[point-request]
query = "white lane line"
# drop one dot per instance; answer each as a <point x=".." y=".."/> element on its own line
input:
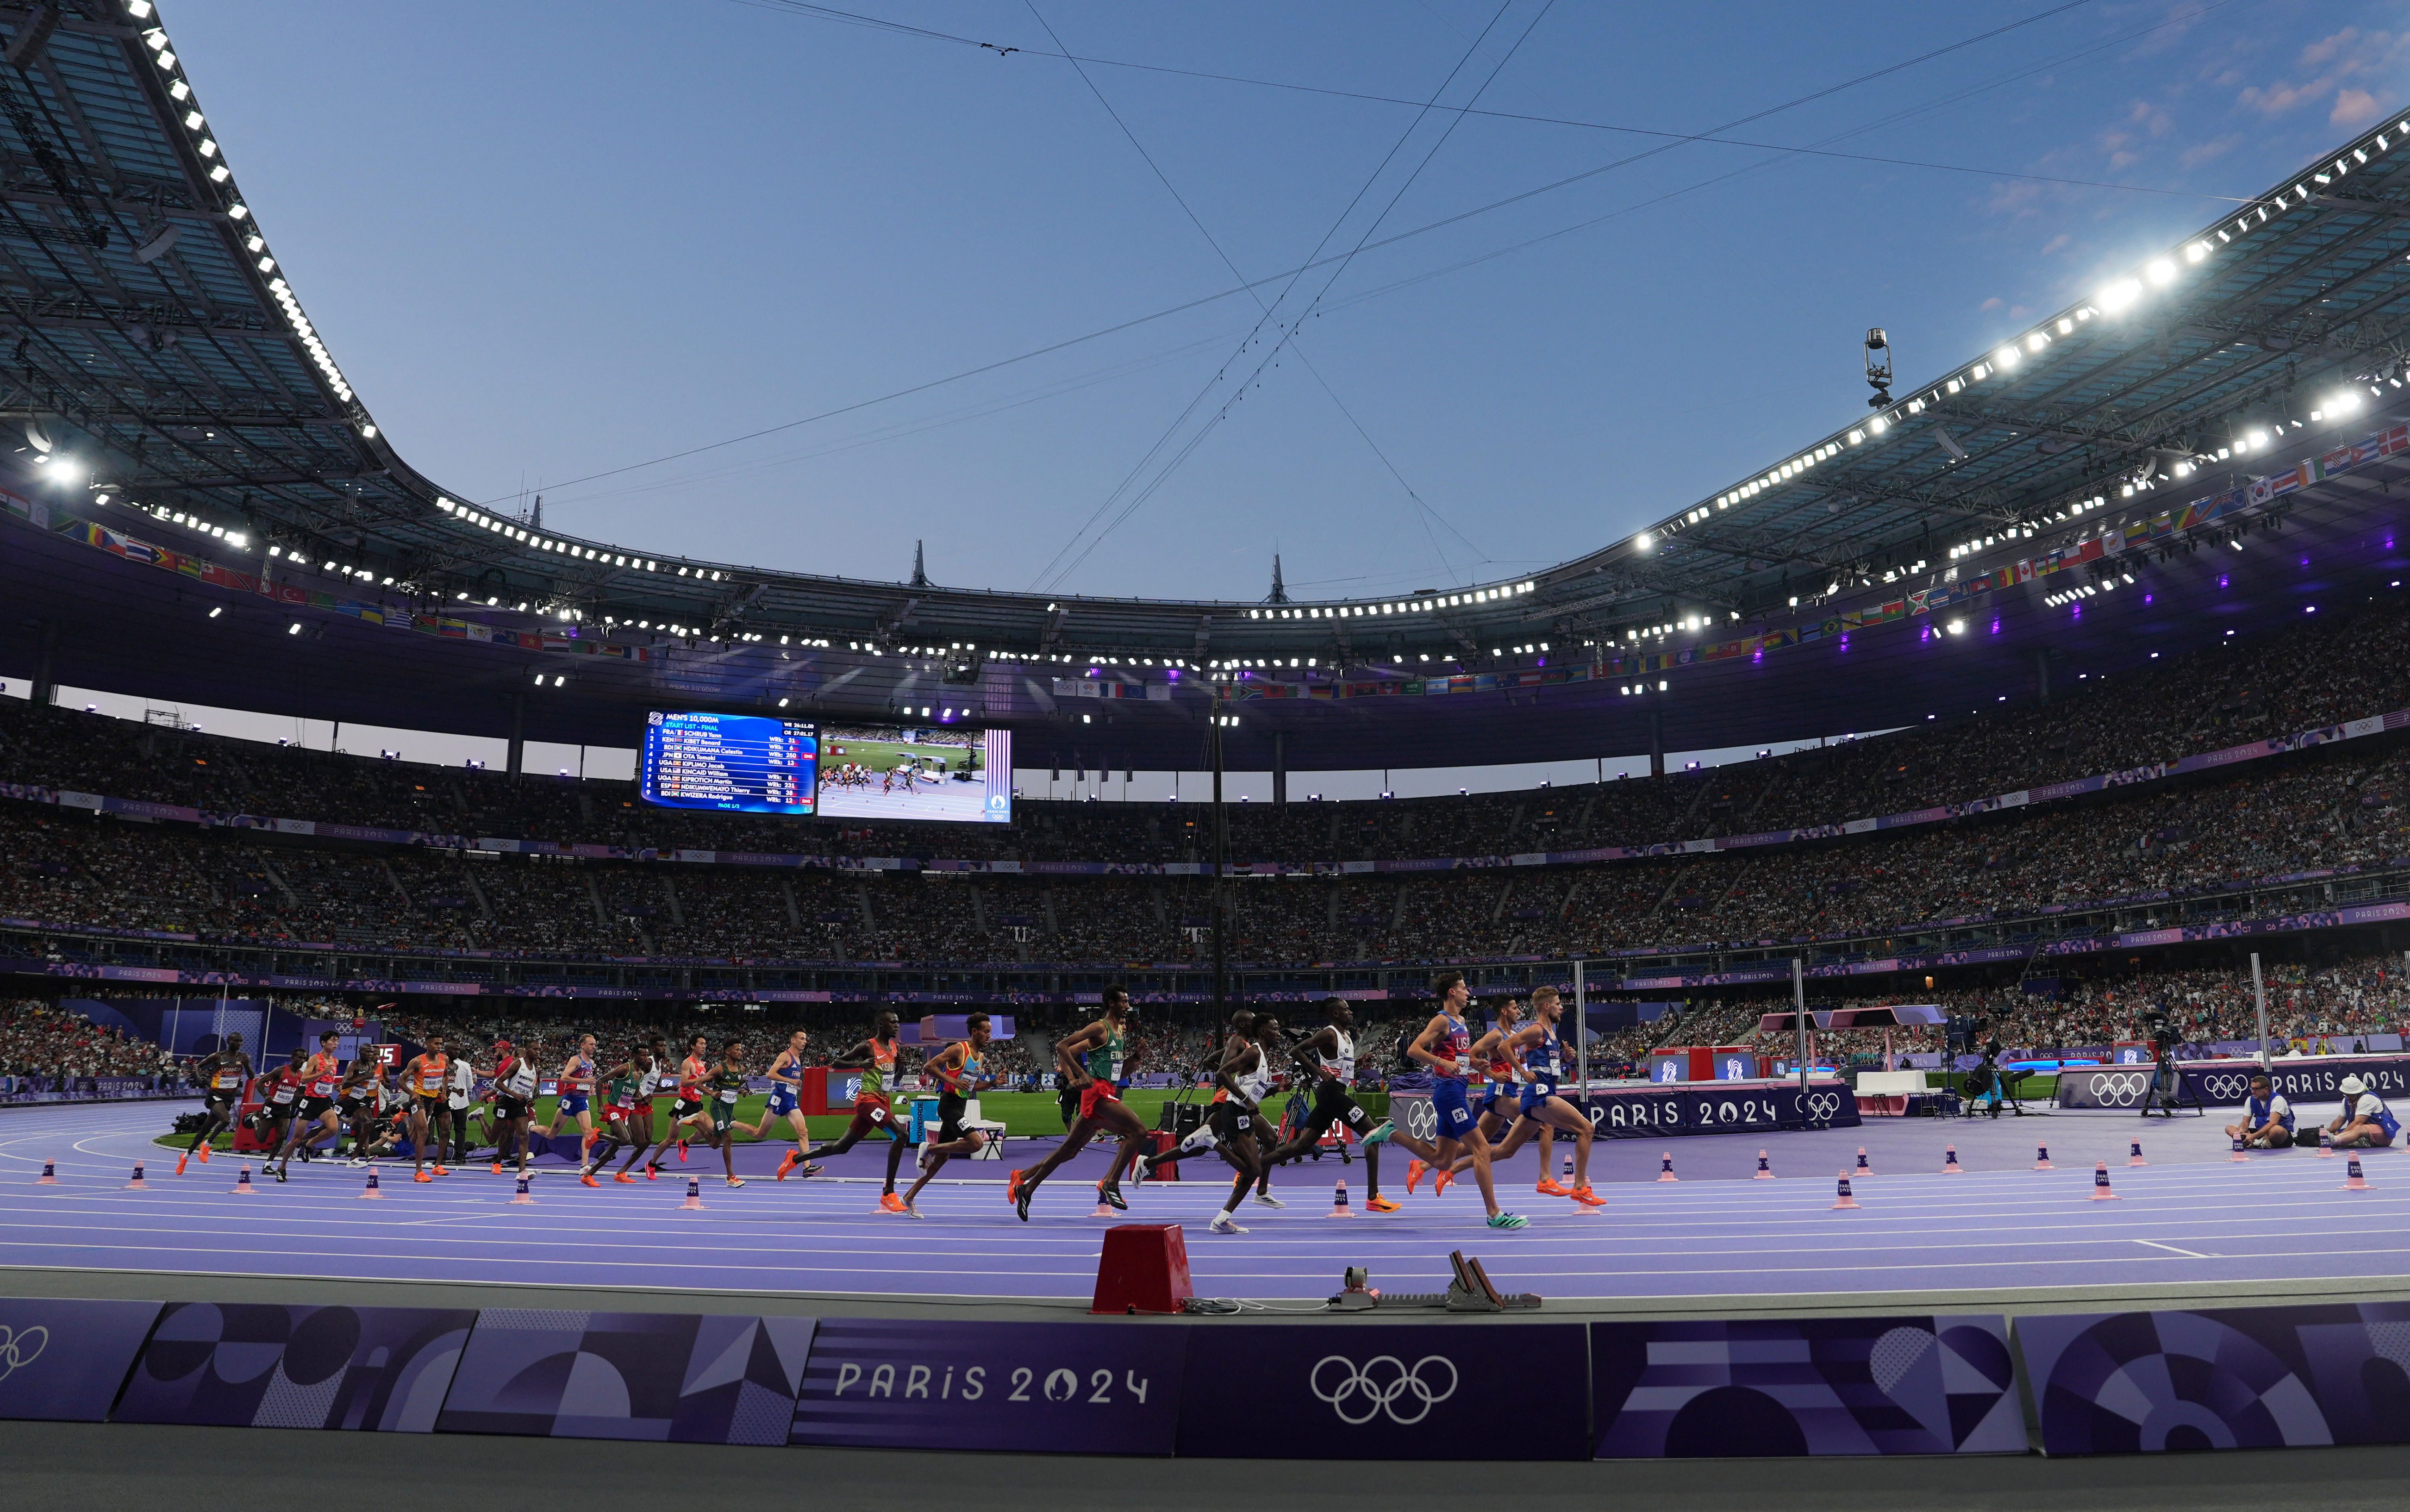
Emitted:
<point x="2190" y="1253"/>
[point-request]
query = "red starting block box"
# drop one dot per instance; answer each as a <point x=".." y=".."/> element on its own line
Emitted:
<point x="1143" y="1268"/>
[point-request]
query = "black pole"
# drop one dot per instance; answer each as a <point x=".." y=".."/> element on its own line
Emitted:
<point x="1220" y="897"/>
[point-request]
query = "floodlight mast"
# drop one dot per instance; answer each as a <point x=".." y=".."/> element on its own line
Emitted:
<point x="1220" y="899"/>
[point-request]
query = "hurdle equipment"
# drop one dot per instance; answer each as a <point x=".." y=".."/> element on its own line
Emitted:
<point x="1665" y="1172"/>
<point x="1847" y="1201"/>
<point x="1338" y="1208"/>
<point x="1143" y="1268"/>
<point x="242" y="1186"/>
<point x="1950" y="1166"/>
<point x="524" y="1199"/>
<point x="138" y="1184"/>
<point x="2101" y="1192"/>
<point x="2041" y="1158"/>
<point x="2355" y="1182"/>
<point x="1764" y="1171"/>
<point x="2136" y="1158"/>
<point x="370" y="1192"/>
<point x="1864" y="1169"/>
<point x="2237" y="1154"/>
<point x="693" y="1196"/>
<point x="50" y="1177"/>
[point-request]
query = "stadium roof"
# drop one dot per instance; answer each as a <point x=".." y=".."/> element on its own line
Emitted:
<point x="172" y="388"/>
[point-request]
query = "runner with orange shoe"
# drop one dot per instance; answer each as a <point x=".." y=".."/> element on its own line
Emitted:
<point x="425" y="1080"/>
<point x="221" y="1073"/>
<point x="787" y="1098"/>
<point x="876" y="1056"/>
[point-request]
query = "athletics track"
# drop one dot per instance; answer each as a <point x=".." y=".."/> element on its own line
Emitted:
<point x="2191" y="1217"/>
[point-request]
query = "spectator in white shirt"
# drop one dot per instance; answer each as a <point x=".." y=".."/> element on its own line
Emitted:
<point x="2267" y="1118"/>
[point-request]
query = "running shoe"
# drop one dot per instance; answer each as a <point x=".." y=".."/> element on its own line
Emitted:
<point x="681" y="1152"/>
<point x="587" y="1180"/>
<point x="179" y="1164"/>
<point x="909" y="1211"/>
<point x="204" y="1151"/>
<point x="359" y="1160"/>
<point x="441" y="1171"/>
<point x="1269" y="1200"/>
<point x="498" y="1168"/>
<point x="1012" y="1187"/>
<point x="735" y="1181"/>
<point x="1509" y="1220"/>
<point x="1111" y="1195"/>
<point x="1381" y="1132"/>
<point x="1440" y="1180"/>
<point x="423" y="1176"/>
<point x="1222" y="1223"/>
<point x="1414" y="1170"/>
<point x="623" y="1176"/>
<point x="1548" y="1187"/>
<point x="1588" y="1198"/>
<point x="921" y="1161"/>
<point x="890" y="1202"/>
<point x="278" y="1173"/>
<point x="789" y="1164"/>
<point x="652" y="1173"/>
<point x="1380" y="1204"/>
<point x="1023" y="1192"/>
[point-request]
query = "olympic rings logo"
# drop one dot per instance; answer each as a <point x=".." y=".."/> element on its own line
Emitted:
<point x="2223" y="1085"/>
<point x="2119" y="1089"/>
<point x="15" y="1350"/>
<point x="1824" y="1104"/>
<point x="1383" y="1383"/>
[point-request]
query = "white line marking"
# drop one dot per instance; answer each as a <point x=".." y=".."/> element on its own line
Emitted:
<point x="2190" y="1253"/>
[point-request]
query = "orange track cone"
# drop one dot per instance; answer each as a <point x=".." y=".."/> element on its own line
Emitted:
<point x="242" y="1186"/>
<point x="50" y="1175"/>
<point x="371" y="1193"/>
<point x="2101" y="1192"/>
<point x="2041" y="1158"/>
<point x="138" y="1184"/>
<point x="1338" y="1208"/>
<point x="1666" y="1172"/>
<point x="2136" y="1158"/>
<point x="1764" y="1171"/>
<point x="693" y="1195"/>
<point x="522" y="1197"/>
<point x="1847" y="1201"/>
<point x="1950" y="1166"/>
<point x="1864" y="1169"/>
<point x="2356" y="1182"/>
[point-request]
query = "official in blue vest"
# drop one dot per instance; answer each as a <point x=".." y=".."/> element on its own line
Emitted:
<point x="2267" y="1118"/>
<point x="2364" y="1121"/>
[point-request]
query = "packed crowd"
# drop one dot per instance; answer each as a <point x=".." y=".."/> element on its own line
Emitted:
<point x="58" y="1045"/>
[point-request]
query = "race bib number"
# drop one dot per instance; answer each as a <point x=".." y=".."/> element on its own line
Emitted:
<point x="1243" y="1122"/>
<point x="728" y="1097"/>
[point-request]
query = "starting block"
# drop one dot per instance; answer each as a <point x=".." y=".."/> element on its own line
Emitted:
<point x="1469" y="1290"/>
<point x="1143" y="1268"/>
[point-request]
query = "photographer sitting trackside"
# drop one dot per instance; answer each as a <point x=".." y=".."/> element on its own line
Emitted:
<point x="2267" y="1118"/>
<point x="2364" y="1120"/>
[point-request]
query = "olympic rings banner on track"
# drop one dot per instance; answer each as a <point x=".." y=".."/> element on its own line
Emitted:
<point x="1858" y="1386"/>
<point x="2225" y="1082"/>
<point x="1685" y="1107"/>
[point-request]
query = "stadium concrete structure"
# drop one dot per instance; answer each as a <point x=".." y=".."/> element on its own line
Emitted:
<point x="2195" y="456"/>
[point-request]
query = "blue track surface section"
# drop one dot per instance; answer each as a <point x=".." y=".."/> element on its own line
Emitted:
<point x="2190" y="1216"/>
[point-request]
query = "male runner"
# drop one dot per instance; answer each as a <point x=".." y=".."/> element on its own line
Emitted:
<point x="427" y="1081"/>
<point x="513" y="1102"/>
<point x="787" y="1100"/>
<point x="877" y="1057"/>
<point x="1500" y="1108"/>
<point x="577" y="1091"/>
<point x="1091" y="1061"/>
<point x="1331" y="1070"/>
<point x="279" y="1099"/>
<point x="692" y="1072"/>
<point x="656" y="1084"/>
<point x="1241" y="1033"/>
<point x="356" y="1101"/>
<point x="322" y="1075"/>
<point x="718" y="1119"/>
<point x="1446" y="1046"/>
<point x="1543" y="1057"/>
<point x="960" y="1070"/>
<point x="220" y="1074"/>
<point x="626" y="1117"/>
<point x="1235" y="1119"/>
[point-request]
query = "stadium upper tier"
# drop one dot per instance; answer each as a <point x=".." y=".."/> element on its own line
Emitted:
<point x="180" y="411"/>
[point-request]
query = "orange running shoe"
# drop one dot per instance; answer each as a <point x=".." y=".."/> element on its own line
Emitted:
<point x="1012" y="1188"/>
<point x="587" y="1180"/>
<point x="652" y="1173"/>
<point x="204" y="1151"/>
<point x="1414" y="1170"/>
<point x="1440" y="1180"/>
<point x="623" y="1176"/>
<point x="1548" y="1187"/>
<point x="681" y="1152"/>
<point x="793" y="1156"/>
<point x="441" y="1171"/>
<point x="1587" y="1197"/>
<point x="1381" y="1204"/>
<point x="890" y="1202"/>
<point x="498" y="1168"/>
<point x="180" y="1165"/>
<point x="424" y="1177"/>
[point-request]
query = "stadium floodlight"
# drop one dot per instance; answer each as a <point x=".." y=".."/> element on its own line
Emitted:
<point x="215" y="612"/>
<point x="2162" y="272"/>
<point x="294" y="629"/>
<point x="2117" y="296"/>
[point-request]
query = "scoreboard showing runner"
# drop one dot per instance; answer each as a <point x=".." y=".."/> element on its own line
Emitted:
<point x="741" y="763"/>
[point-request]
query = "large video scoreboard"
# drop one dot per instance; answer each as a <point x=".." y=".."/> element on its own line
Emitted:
<point x="734" y="762"/>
